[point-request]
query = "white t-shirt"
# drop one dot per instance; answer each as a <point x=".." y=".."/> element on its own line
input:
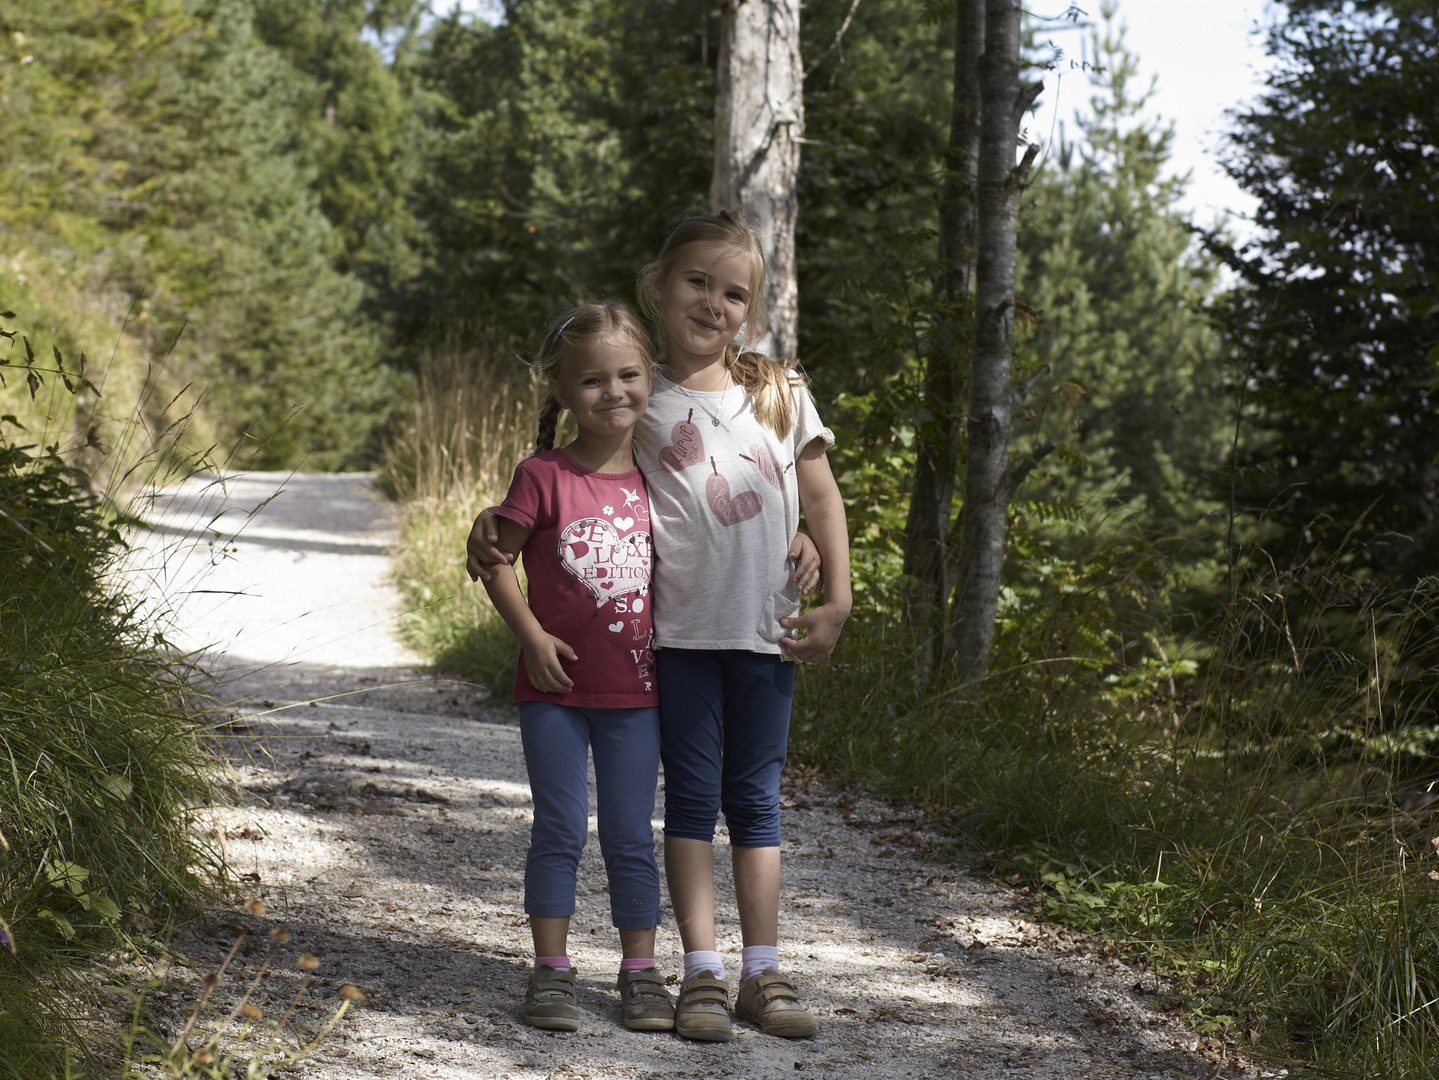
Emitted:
<point x="725" y="506"/>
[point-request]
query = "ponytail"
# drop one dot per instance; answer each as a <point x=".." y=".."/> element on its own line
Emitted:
<point x="771" y="385"/>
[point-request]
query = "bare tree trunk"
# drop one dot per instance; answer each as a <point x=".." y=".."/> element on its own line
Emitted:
<point x="759" y="120"/>
<point x="989" y="482"/>
<point x="927" y="556"/>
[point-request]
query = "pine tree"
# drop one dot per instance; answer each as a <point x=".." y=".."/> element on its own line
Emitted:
<point x="1337" y="321"/>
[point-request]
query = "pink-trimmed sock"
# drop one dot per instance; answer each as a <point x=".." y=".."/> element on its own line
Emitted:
<point x="637" y="963"/>
<point x="559" y="963"/>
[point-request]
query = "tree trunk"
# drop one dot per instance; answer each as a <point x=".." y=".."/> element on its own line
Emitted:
<point x="759" y="120"/>
<point x="988" y="481"/>
<point x="927" y="556"/>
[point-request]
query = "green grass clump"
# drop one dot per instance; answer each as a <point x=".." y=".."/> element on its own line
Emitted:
<point x="101" y="761"/>
<point x="1246" y="804"/>
<point x="471" y="422"/>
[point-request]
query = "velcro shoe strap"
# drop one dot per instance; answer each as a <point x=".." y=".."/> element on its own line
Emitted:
<point x="647" y="987"/>
<point x="554" y="987"/>
<point x="704" y="991"/>
<point x="776" y="990"/>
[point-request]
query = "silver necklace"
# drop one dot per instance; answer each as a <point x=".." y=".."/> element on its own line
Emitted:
<point x="715" y="421"/>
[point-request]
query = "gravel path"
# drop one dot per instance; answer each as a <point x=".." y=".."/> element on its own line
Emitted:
<point x="387" y="829"/>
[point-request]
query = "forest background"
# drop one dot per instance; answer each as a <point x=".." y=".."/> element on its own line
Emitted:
<point x="328" y="231"/>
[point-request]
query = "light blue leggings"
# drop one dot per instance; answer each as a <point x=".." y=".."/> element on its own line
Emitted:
<point x="626" y="744"/>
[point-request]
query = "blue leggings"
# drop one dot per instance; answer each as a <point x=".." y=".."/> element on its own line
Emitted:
<point x="626" y="742"/>
<point x="724" y="718"/>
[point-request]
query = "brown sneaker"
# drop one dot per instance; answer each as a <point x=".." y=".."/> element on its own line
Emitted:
<point x="768" y="1001"/>
<point x="646" y="1001"/>
<point x="703" y="1009"/>
<point x="550" y="1000"/>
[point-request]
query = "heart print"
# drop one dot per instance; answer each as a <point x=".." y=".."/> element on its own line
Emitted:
<point x="606" y="565"/>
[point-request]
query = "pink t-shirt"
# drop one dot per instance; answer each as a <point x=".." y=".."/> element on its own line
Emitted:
<point x="588" y="561"/>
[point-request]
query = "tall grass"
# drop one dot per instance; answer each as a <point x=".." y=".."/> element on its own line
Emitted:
<point x="472" y="420"/>
<point x="1247" y="804"/>
<point x="102" y="766"/>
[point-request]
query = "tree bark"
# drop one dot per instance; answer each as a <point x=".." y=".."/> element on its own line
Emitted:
<point x="993" y="401"/>
<point x="927" y="558"/>
<point x="759" y="120"/>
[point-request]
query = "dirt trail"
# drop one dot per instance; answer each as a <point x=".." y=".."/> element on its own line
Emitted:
<point x="387" y="829"/>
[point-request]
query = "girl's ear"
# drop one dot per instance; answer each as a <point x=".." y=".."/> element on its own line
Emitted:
<point x="654" y="285"/>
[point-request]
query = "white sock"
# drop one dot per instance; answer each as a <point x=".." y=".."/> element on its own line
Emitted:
<point x="756" y="958"/>
<point x="704" y="960"/>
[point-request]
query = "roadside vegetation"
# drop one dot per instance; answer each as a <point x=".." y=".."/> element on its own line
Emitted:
<point x="103" y="766"/>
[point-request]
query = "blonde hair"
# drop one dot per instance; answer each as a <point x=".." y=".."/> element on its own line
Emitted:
<point x="769" y="381"/>
<point x="578" y="328"/>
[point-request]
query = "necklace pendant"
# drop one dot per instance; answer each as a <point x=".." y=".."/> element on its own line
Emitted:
<point x="714" y="421"/>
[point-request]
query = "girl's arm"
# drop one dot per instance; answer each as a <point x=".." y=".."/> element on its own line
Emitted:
<point x="483" y="557"/>
<point x="823" y="508"/>
<point x="542" y="650"/>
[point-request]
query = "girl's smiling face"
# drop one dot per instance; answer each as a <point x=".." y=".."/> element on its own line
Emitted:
<point x="704" y="299"/>
<point x="606" y="385"/>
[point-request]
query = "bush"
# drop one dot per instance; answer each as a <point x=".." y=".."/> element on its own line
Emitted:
<point x="102" y="764"/>
<point x="1248" y="805"/>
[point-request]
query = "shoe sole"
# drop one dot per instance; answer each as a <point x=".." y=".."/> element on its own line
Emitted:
<point x="650" y="1023"/>
<point x="785" y="1031"/>
<point x="552" y="1023"/>
<point x="706" y="1035"/>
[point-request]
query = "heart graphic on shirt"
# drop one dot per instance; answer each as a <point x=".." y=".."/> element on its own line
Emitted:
<point x="730" y="510"/>
<point x="768" y="467"/>
<point x="687" y="446"/>
<point x="606" y="565"/>
<point x="616" y="627"/>
<point x="624" y="523"/>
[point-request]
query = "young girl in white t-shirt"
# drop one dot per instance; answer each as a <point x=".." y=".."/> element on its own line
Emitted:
<point x="733" y="451"/>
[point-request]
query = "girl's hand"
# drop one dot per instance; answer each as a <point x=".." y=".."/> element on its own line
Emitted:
<point x="481" y="552"/>
<point x="807" y="563"/>
<point x="542" y="664"/>
<point x="823" y="625"/>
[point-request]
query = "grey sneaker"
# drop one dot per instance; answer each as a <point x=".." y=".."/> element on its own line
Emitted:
<point x="646" y="1000"/>
<point x="768" y="1001"/>
<point x="550" y="1000"/>
<point x="703" y="1010"/>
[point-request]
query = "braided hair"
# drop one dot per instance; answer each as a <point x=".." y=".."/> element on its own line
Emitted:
<point x="576" y="329"/>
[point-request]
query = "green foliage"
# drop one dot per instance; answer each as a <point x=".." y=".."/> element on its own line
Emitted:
<point x="156" y="142"/>
<point x="101" y="762"/>
<point x="559" y="147"/>
<point x="1337" y="316"/>
<point x="1245" y="806"/>
<point x="1118" y="296"/>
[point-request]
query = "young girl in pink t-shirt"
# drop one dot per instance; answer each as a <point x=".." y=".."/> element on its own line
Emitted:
<point x="580" y="519"/>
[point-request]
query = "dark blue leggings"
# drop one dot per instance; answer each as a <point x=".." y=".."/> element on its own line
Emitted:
<point x="626" y="744"/>
<point x="724" y="727"/>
